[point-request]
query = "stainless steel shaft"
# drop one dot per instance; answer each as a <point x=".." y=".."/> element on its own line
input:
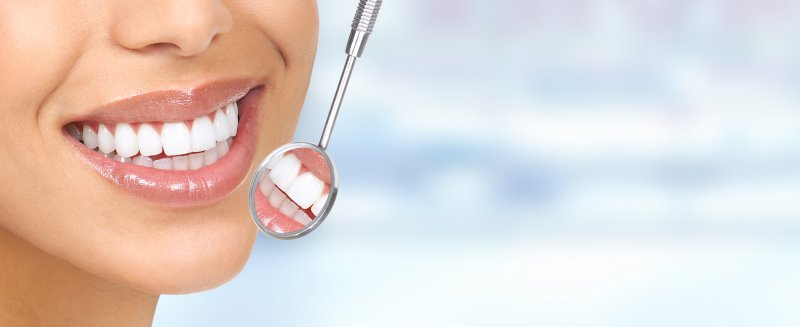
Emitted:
<point x="363" y="24"/>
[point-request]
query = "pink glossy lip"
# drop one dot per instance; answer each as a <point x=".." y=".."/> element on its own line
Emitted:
<point x="182" y="188"/>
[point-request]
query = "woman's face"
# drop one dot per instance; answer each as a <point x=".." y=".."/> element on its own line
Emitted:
<point x="118" y="121"/>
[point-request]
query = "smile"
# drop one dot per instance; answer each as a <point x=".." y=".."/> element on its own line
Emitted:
<point x="178" y="148"/>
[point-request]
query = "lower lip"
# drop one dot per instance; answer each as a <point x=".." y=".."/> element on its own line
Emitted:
<point x="273" y="219"/>
<point x="190" y="187"/>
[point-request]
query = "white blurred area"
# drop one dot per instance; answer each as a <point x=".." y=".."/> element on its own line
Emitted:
<point x="546" y="163"/>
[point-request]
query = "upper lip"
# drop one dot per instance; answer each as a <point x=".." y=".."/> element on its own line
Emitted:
<point x="172" y="105"/>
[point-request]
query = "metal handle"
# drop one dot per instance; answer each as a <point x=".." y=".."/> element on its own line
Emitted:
<point x="363" y="24"/>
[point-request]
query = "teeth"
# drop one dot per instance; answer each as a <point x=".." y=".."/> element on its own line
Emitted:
<point x="232" y="113"/>
<point x="163" y="164"/>
<point x="149" y="140"/>
<point x="319" y="204"/>
<point x="276" y="198"/>
<point x="302" y="218"/>
<point x="221" y="130"/>
<point x="266" y="186"/>
<point x="195" y="161"/>
<point x="285" y="171"/>
<point x="288" y="208"/>
<point x="105" y="140"/>
<point x="143" y="161"/>
<point x="205" y="143"/>
<point x="176" y="139"/>
<point x="202" y="134"/>
<point x="306" y="189"/>
<point x="180" y="163"/>
<point x="222" y="149"/>
<point x="210" y="157"/>
<point x="125" y="140"/>
<point x="89" y="137"/>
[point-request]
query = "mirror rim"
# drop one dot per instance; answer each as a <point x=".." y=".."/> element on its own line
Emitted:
<point x="262" y="168"/>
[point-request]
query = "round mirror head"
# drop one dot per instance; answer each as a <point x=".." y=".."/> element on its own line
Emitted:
<point x="293" y="190"/>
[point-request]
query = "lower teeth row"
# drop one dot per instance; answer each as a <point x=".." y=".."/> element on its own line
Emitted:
<point x="186" y="162"/>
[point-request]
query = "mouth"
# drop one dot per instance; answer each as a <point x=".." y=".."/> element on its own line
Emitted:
<point x="294" y="192"/>
<point x="177" y="148"/>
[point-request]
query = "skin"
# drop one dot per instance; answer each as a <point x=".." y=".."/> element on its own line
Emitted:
<point x="75" y="249"/>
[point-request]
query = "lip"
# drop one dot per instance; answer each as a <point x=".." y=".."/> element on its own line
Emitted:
<point x="171" y="105"/>
<point x="181" y="188"/>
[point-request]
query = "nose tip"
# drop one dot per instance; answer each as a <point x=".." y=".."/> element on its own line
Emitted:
<point x="187" y="28"/>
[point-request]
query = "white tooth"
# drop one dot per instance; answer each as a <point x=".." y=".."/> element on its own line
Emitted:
<point x="122" y="159"/>
<point x="176" y="139"/>
<point x="74" y="132"/>
<point x="143" y="161"/>
<point x="266" y="186"/>
<point x="302" y="218"/>
<point x="233" y="121"/>
<point x="210" y="157"/>
<point x="305" y="189"/>
<point x="236" y="109"/>
<point x="221" y="131"/>
<point x="149" y="140"/>
<point x="105" y="140"/>
<point x="288" y="208"/>
<point x="276" y="198"/>
<point x="163" y="164"/>
<point x="229" y="141"/>
<point x="89" y="137"/>
<point x="285" y="172"/>
<point x="277" y="158"/>
<point x="180" y="163"/>
<point x="202" y="134"/>
<point x="125" y="140"/>
<point x="222" y="149"/>
<point x="319" y="204"/>
<point x="195" y="161"/>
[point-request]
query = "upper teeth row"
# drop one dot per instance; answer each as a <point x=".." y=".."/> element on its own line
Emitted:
<point x="174" y="138"/>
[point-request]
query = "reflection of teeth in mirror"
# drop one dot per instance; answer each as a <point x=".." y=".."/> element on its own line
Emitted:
<point x="302" y="217"/>
<point x="266" y="186"/>
<point x="274" y="161"/>
<point x="317" y="207"/>
<point x="288" y="208"/>
<point x="285" y="171"/>
<point x="306" y="189"/>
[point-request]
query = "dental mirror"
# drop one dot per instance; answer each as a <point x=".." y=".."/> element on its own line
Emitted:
<point x="295" y="186"/>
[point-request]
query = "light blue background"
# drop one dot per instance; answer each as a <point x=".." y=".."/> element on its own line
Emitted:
<point x="546" y="163"/>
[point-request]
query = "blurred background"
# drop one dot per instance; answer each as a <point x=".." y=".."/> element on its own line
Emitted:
<point x="546" y="163"/>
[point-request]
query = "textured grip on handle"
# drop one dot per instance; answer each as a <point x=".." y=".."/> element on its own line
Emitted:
<point x="366" y="15"/>
<point x="363" y="23"/>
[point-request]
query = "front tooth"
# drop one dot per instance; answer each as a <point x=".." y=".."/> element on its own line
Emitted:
<point x="210" y="157"/>
<point x="74" y="131"/>
<point x="222" y="149"/>
<point x="89" y="137"/>
<point x="180" y="163"/>
<point x="317" y="207"/>
<point x="149" y="140"/>
<point x="105" y="140"/>
<point x="306" y="189"/>
<point x="195" y="161"/>
<point x="221" y="131"/>
<point x="125" y="140"/>
<point x="302" y="218"/>
<point x="276" y="198"/>
<point x="202" y="134"/>
<point x="288" y="208"/>
<point x="285" y="171"/>
<point x="143" y="161"/>
<point x="176" y="139"/>
<point x="233" y="120"/>
<point x="163" y="164"/>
